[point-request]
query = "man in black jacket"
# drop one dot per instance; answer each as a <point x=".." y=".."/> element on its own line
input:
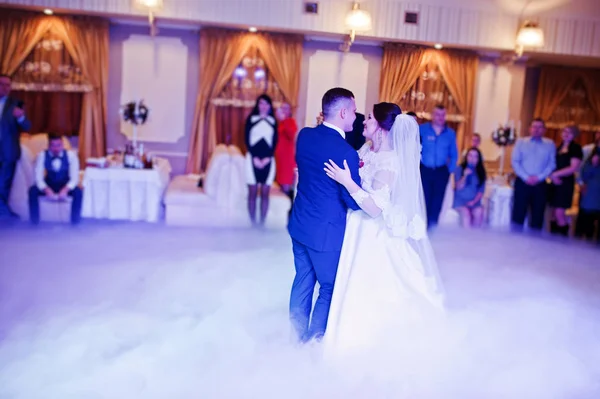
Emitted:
<point x="12" y="123"/>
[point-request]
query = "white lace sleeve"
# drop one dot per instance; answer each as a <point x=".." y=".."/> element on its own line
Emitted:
<point x="377" y="200"/>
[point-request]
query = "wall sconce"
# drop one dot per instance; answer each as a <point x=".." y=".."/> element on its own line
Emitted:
<point x="357" y="20"/>
<point x="530" y="35"/>
<point x="151" y="6"/>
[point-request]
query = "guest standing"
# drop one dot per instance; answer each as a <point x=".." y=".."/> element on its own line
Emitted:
<point x="285" y="152"/>
<point x="12" y="123"/>
<point x="533" y="160"/>
<point x="261" y="140"/>
<point x="438" y="159"/>
<point x="568" y="161"/>
<point x="470" y="178"/>
<point x="56" y="177"/>
<point x="475" y="143"/>
<point x="589" y="206"/>
<point x="355" y="137"/>
<point x="588" y="149"/>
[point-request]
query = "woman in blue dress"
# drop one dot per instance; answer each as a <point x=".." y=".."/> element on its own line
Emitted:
<point x="469" y="180"/>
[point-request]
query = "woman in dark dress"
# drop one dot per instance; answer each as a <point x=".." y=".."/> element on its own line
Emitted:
<point x="261" y="140"/>
<point x="568" y="160"/>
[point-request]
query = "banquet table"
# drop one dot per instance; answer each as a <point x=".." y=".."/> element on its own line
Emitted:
<point x="119" y="193"/>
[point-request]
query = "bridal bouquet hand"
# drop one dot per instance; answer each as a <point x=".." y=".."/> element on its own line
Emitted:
<point x="338" y="174"/>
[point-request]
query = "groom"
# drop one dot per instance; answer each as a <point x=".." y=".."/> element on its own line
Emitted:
<point x="318" y="219"/>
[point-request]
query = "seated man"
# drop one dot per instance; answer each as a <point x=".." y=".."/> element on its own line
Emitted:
<point x="56" y="176"/>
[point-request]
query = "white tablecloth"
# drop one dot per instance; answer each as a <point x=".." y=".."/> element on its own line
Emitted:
<point x="499" y="205"/>
<point x="125" y="194"/>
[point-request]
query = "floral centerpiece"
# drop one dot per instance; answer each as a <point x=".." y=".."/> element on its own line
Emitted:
<point x="504" y="136"/>
<point x="135" y="113"/>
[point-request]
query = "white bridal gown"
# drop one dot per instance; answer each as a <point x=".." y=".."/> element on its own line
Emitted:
<point x="382" y="289"/>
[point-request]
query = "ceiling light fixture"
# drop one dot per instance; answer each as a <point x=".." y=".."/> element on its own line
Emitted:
<point x="357" y="20"/>
<point x="48" y="11"/>
<point x="151" y="6"/>
<point x="530" y="35"/>
<point x="438" y="46"/>
<point x="252" y="29"/>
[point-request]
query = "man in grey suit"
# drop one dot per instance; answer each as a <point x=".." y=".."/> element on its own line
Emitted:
<point x="12" y="123"/>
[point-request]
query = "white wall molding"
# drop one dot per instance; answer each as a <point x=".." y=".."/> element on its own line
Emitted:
<point x="155" y="68"/>
<point x="486" y="24"/>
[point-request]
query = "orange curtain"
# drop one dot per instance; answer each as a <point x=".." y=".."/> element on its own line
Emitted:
<point x="220" y="53"/>
<point x="569" y="96"/>
<point x="19" y="33"/>
<point x="283" y="57"/>
<point x="52" y="111"/>
<point x="86" y="39"/>
<point x="400" y="68"/>
<point x="591" y="81"/>
<point x="555" y="83"/>
<point x="403" y="64"/>
<point x="460" y="74"/>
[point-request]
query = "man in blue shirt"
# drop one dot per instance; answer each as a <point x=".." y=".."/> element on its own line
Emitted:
<point x="533" y="160"/>
<point x="439" y="156"/>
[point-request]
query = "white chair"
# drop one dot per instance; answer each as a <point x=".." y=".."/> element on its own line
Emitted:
<point x="25" y="178"/>
<point x="186" y="204"/>
<point x="55" y="211"/>
<point x="222" y="201"/>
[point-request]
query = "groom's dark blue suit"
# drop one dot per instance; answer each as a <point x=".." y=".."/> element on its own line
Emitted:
<point x="317" y="225"/>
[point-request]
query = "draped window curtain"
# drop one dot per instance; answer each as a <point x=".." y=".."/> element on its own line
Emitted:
<point x="86" y="40"/>
<point x="250" y="79"/>
<point x="51" y="86"/>
<point x="404" y="67"/>
<point x="221" y="52"/>
<point x="569" y="95"/>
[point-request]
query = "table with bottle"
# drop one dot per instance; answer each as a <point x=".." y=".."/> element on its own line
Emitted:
<point x="127" y="185"/>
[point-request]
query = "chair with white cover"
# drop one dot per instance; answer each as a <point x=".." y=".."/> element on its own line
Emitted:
<point x="50" y="211"/>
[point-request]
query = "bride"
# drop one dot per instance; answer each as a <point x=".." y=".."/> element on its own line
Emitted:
<point x="387" y="281"/>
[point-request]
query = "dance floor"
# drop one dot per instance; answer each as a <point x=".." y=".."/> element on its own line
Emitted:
<point x="128" y="310"/>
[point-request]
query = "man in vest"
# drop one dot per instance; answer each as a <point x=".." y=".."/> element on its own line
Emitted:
<point x="56" y="177"/>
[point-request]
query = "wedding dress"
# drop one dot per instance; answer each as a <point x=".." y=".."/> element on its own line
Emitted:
<point x="387" y="282"/>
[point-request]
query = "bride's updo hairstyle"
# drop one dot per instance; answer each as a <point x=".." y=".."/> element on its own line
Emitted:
<point x="385" y="114"/>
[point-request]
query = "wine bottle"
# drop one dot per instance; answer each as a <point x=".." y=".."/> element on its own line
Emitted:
<point x="129" y="158"/>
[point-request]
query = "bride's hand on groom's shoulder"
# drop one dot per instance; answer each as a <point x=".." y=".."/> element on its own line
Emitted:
<point x="340" y="175"/>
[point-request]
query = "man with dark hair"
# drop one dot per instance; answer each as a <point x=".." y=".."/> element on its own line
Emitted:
<point x="355" y="137"/>
<point x="533" y="160"/>
<point x="56" y="177"/>
<point x="12" y="123"/>
<point x="439" y="157"/>
<point x="318" y="221"/>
